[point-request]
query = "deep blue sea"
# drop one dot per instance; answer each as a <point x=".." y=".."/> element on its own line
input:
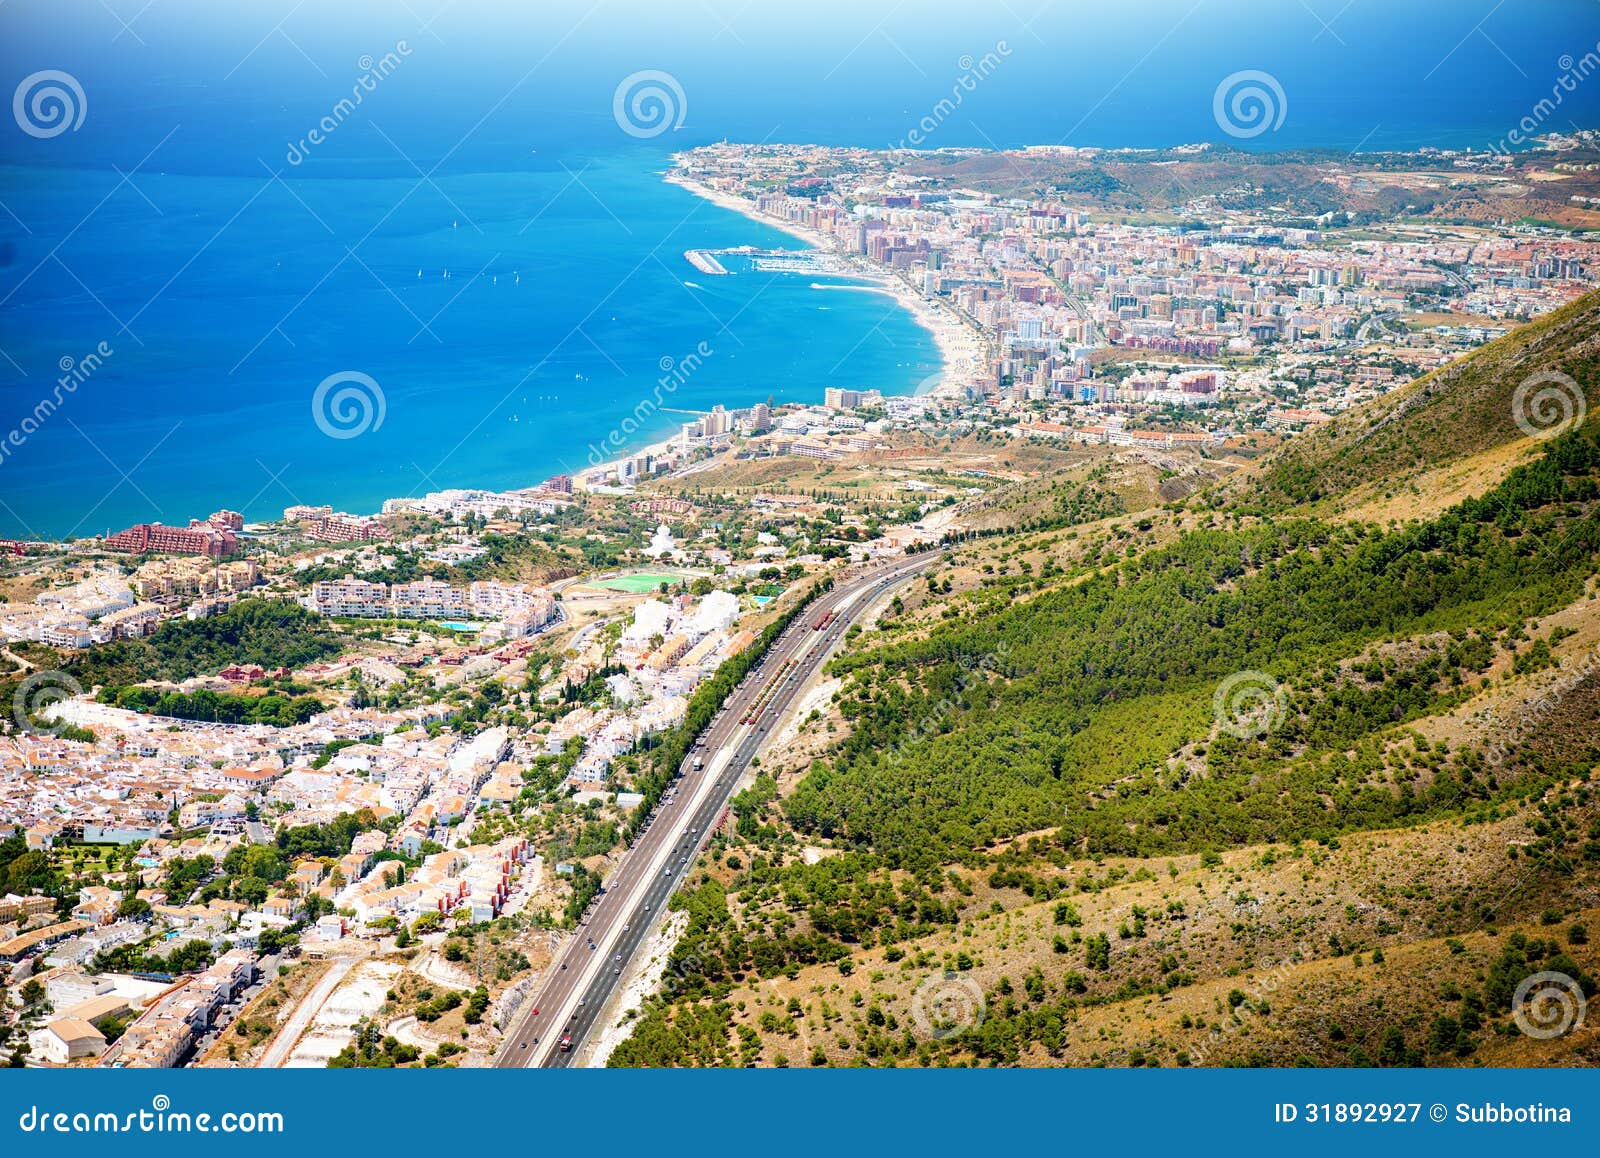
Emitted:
<point x="230" y="265"/>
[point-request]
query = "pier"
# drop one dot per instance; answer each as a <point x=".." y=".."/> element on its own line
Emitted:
<point x="705" y="262"/>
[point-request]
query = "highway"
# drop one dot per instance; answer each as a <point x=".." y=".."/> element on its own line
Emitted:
<point x="581" y="980"/>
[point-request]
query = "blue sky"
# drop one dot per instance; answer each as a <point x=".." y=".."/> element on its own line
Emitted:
<point x="499" y="82"/>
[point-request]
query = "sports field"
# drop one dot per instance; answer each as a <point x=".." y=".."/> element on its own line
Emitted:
<point x="636" y="584"/>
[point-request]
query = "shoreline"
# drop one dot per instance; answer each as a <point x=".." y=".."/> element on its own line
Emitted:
<point x="962" y="351"/>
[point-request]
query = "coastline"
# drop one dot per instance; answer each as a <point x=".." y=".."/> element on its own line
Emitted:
<point x="962" y="352"/>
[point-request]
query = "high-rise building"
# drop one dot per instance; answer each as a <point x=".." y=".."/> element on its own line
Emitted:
<point x="157" y="538"/>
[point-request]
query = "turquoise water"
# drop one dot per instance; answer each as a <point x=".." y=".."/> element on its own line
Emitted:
<point x="455" y="625"/>
<point x="542" y="351"/>
<point x="228" y="272"/>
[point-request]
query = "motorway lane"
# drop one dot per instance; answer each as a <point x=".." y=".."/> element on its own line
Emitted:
<point x="583" y="978"/>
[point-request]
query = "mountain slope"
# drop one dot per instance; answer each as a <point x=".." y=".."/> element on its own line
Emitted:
<point x="1093" y="780"/>
<point x="1519" y="387"/>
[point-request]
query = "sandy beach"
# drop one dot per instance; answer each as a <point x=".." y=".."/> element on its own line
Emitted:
<point x="962" y="350"/>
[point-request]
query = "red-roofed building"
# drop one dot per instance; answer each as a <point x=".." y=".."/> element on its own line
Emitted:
<point x="157" y="538"/>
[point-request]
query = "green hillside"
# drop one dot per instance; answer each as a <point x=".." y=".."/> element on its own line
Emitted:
<point x="1083" y="780"/>
<point x="1477" y="402"/>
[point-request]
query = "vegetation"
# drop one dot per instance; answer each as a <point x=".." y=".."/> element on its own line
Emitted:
<point x="214" y="707"/>
<point x="269" y="633"/>
<point x="1013" y="753"/>
<point x="1071" y="704"/>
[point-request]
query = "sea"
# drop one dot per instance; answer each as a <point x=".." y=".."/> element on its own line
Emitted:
<point x="283" y="254"/>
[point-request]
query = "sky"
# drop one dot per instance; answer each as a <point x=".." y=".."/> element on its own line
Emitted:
<point x="498" y="86"/>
